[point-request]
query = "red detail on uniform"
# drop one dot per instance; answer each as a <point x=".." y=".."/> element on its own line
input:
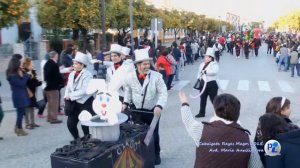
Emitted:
<point x="142" y="76"/>
<point x="77" y="73"/>
<point x="117" y="65"/>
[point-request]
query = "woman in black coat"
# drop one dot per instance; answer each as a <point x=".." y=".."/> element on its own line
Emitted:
<point x="32" y="84"/>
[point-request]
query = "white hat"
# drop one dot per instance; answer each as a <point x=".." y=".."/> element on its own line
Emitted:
<point x="82" y="58"/>
<point x="142" y="55"/>
<point x="210" y="52"/>
<point x="125" y="51"/>
<point x="114" y="48"/>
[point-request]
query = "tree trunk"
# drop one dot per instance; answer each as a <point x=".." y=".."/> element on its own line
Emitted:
<point x="164" y="36"/>
<point x="84" y="38"/>
<point x="146" y="33"/>
<point x="75" y="34"/>
<point x="175" y="33"/>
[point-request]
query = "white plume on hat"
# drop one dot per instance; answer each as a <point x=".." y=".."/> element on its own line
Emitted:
<point x="142" y="55"/>
<point x="82" y="58"/>
<point x="210" y="52"/>
<point x="125" y="51"/>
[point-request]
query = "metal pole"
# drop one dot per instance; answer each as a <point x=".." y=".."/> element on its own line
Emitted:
<point x="156" y="32"/>
<point x="131" y="25"/>
<point x="103" y="26"/>
<point x="219" y="25"/>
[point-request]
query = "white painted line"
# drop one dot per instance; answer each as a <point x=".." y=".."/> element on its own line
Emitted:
<point x="223" y="84"/>
<point x="264" y="86"/>
<point x="285" y="87"/>
<point x="243" y="85"/>
<point x="179" y="85"/>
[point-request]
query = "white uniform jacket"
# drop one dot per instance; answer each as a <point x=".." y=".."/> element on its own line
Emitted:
<point x="76" y="89"/>
<point x="156" y="92"/>
<point x="109" y="73"/>
<point x="211" y="71"/>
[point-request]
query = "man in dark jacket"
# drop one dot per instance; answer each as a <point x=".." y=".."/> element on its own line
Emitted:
<point x="177" y="55"/>
<point x="54" y="82"/>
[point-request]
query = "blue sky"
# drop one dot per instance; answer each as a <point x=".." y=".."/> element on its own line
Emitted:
<point x="248" y="10"/>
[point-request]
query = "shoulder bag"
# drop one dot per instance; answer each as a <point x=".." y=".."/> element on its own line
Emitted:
<point x="200" y="83"/>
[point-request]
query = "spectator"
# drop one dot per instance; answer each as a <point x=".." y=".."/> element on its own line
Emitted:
<point x="43" y="103"/>
<point x="54" y="82"/>
<point x="32" y="84"/>
<point x="281" y="107"/>
<point x="177" y="55"/>
<point x="163" y="65"/>
<point x="17" y="80"/>
<point x="172" y="60"/>
<point x="283" y="58"/>
<point x="217" y="130"/>
<point x="1" y="112"/>
<point x="276" y="128"/>
<point x="295" y="62"/>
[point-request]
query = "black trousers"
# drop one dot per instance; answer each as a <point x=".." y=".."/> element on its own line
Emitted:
<point x="145" y="118"/>
<point x="73" y="118"/>
<point x="256" y="51"/>
<point x="169" y="83"/>
<point x="164" y="75"/>
<point x="211" y="90"/>
<point x="269" y="49"/>
<point x="217" y="54"/>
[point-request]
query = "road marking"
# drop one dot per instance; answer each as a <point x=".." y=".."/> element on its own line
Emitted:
<point x="223" y="84"/>
<point x="264" y="86"/>
<point x="285" y="87"/>
<point x="179" y="85"/>
<point x="243" y="85"/>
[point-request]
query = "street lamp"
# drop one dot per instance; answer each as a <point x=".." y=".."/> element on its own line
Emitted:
<point x="131" y="25"/>
<point x="219" y="24"/>
<point x="103" y="27"/>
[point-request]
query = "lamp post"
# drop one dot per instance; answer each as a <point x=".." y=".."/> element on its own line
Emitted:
<point x="131" y="25"/>
<point x="219" y="24"/>
<point x="103" y="26"/>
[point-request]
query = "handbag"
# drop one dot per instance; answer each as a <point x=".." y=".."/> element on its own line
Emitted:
<point x="199" y="84"/>
<point x="69" y="107"/>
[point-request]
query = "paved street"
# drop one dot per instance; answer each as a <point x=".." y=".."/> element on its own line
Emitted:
<point x="253" y="81"/>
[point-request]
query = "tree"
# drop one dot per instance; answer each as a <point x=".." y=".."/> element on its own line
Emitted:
<point x="175" y="22"/>
<point x="117" y="16"/>
<point x="291" y="21"/>
<point x="11" y="11"/>
<point x="79" y="15"/>
<point x="164" y="14"/>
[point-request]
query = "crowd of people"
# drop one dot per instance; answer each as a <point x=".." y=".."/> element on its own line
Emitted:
<point x="145" y="90"/>
<point x="286" y="50"/>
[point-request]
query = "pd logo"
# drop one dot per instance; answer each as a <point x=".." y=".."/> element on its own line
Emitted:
<point x="272" y="148"/>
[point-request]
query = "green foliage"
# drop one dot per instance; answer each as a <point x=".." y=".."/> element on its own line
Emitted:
<point x="291" y="21"/>
<point x="117" y="14"/>
<point x="56" y="44"/>
<point x="11" y="11"/>
<point x="80" y="14"/>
